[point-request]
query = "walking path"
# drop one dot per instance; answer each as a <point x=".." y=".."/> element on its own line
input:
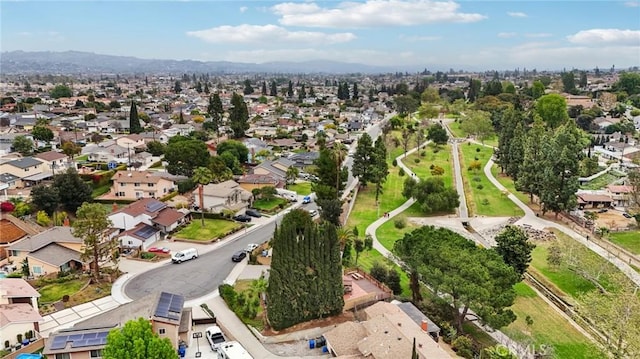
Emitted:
<point x="497" y="335"/>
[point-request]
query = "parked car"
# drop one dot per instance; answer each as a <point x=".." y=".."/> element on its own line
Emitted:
<point x="602" y="210"/>
<point x="214" y="336"/>
<point x="184" y="255"/>
<point x="239" y="256"/>
<point x="306" y="199"/>
<point x="242" y="218"/>
<point x="313" y="212"/>
<point x="251" y="247"/>
<point x="627" y="215"/>
<point x="253" y="213"/>
<point x="159" y="250"/>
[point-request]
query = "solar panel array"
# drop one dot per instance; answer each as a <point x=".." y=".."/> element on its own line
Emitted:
<point x="169" y="306"/>
<point x="145" y="232"/>
<point x="155" y="206"/>
<point x="80" y="340"/>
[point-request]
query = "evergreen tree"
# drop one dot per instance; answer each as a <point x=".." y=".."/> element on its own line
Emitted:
<point x="530" y="175"/>
<point x="134" y="121"/>
<point x="379" y="166"/>
<point x="508" y="122"/>
<point x="302" y="94"/>
<point x="206" y="88"/>
<point x="91" y="225"/>
<point x="562" y="154"/>
<point x="362" y="159"/>
<point x="264" y="88"/>
<point x="238" y="116"/>
<point x="215" y="111"/>
<point x="290" y="89"/>
<point x="305" y="280"/>
<point x="273" y="91"/>
<point x="355" y="94"/>
<point x="516" y="152"/>
<point x="248" y="89"/>
<point x="73" y="191"/>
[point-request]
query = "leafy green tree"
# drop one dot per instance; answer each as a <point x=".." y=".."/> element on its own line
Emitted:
<point x="379" y="166"/>
<point x="437" y="134"/>
<point x="363" y="159"/>
<point x="478" y="124"/>
<point x="231" y="162"/>
<point x="358" y="246"/>
<point x="202" y="176"/>
<point x="184" y="156"/>
<point x="45" y="198"/>
<point x="134" y="120"/>
<point x="238" y="116"/>
<point x="431" y="194"/>
<point x="537" y="89"/>
<point x="219" y="170"/>
<point x="629" y="82"/>
<point x="305" y="280"/>
<point x="70" y="149"/>
<point x="42" y="133"/>
<point x="568" y="82"/>
<point x="514" y="247"/>
<point x="330" y="173"/>
<point x="492" y="88"/>
<point x="474" y="89"/>
<point x="91" y="225"/>
<point x="43" y="219"/>
<point x="136" y="340"/>
<point x="561" y="167"/>
<point x="22" y="145"/>
<point x="530" y="175"/>
<point x="60" y="91"/>
<point x="73" y="191"/>
<point x="406" y="104"/>
<point x="331" y="209"/>
<point x="552" y="108"/>
<point x="292" y="174"/>
<point x="464" y="275"/>
<point x="237" y="148"/>
<point x="156" y="148"/>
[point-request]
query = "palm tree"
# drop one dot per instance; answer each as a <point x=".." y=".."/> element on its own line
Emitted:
<point x="345" y="236"/>
<point x="202" y="176"/>
<point x="292" y="174"/>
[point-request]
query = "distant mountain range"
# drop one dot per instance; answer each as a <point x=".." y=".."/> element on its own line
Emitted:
<point x="76" y="62"/>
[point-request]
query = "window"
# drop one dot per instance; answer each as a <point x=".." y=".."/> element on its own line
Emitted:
<point x="139" y="195"/>
<point x="26" y="170"/>
<point x="37" y="270"/>
<point x="161" y="331"/>
<point x="137" y="184"/>
<point x="123" y="184"/>
<point x="96" y="353"/>
<point x="150" y="184"/>
<point x="63" y="356"/>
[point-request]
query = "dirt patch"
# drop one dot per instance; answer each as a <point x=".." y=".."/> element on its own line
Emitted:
<point x="613" y="220"/>
<point x="318" y="323"/>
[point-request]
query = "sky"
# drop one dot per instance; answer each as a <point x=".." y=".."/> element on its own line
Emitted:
<point x="432" y="34"/>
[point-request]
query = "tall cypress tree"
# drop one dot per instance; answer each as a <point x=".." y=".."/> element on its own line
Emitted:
<point x="238" y="116"/>
<point x="305" y="281"/>
<point x="134" y="121"/>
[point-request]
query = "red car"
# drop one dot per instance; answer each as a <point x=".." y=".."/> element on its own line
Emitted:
<point x="159" y="249"/>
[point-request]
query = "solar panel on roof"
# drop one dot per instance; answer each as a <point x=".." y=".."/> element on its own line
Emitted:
<point x="103" y="334"/>
<point x="89" y="335"/>
<point x="155" y="206"/>
<point x="79" y="343"/>
<point x="145" y="232"/>
<point x="59" y="343"/>
<point x="92" y="342"/>
<point x="177" y="302"/>
<point x="75" y="337"/>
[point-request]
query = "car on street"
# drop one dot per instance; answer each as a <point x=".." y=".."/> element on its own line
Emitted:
<point x="253" y="213"/>
<point x="313" y="212"/>
<point x="214" y="337"/>
<point x="242" y="218"/>
<point x="251" y="247"/>
<point x="239" y="256"/>
<point x="159" y="250"/>
<point x="306" y="199"/>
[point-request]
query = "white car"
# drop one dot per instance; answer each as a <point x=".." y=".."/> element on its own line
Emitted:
<point x="313" y="212"/>
<point x="251" y="247"/>
<point x="214" y="337"/>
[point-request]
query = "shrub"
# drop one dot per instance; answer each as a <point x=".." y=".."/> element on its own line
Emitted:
<point x="147" y="255"/>
<point x="478" y="149"/>
<point x="186" y="186"/>
<point x="432" y="166"/>
<point x="7" y="344"/>
<point x="476" y="179"/>
<point x="393" y="281"/>
<point x="448" y="332"/>
<point x="480" y="186"/>
<point x="417" y="160"/>
<point x="436" y="150"/>
<point x="394" y="162"/>
<point x="423" y="153"/>
<point x="476" y="158"/>
<point x="400" y="223"/>
<point x="485" y="202"/>
<point x="463" y="346"/>
<point x="65" y="298"/>
<point x="401" y="172"/>
<point x="19" y="337"/>
<point x="379" y="272"/>
<point x="228" y="294"/>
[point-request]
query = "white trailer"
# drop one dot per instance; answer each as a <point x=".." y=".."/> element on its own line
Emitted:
<point x="233" y="350"/>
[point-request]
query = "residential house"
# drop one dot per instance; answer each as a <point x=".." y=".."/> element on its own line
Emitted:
<point x="165" y="311"/>
<point x="146" y="221"/>
<point x="56" y="161"/>
<point x="387" y="332"/>
<point x="11" y="230"/>
<point x="154" y="136"/>
<point x="141" y="184"/>
<point x="9" y="181"/>
<point x="277" y="168"/>
<point x="251" y="181"/>
<point x="304" y="159"/>
<point x="228" y="195"/>
<point x="107" y="151"/>
<point x="133" y="141"/>
<point x="28" y="169"/>
<point x="620" y="194"/>
<point x="593" y="199"/>
<point x="52" y="251"/>
<point x="18" y="310"/>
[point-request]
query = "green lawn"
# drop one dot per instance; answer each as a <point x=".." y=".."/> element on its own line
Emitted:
<point x="627" y="240"/>
<point x="302" y="188"/>
<point x="388" y="234"/>
<point x="441" y="158"/>
<point x="483" y="198"/>
<point x="268" y="205"/>
<point x="507" y="182"/>
<point x="460" y="133"/>
<point x="600" y="182"/>
<point x="213" y="228"/>
<point x="82" y="158"/>
<point x="99" y="191"/>
<point x="54" y="292"/>
<point x="548" y="327"/>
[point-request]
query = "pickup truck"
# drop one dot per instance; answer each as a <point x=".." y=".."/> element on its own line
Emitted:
<point x="215" y="337"/>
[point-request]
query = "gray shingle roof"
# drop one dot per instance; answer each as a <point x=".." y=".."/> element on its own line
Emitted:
<point x="8" y="177"/>
<point x="56" y="254"/>
<point x="24" y="162"/>
<point x="40" y="240"/>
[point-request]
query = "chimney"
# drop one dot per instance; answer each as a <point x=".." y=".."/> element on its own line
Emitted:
<point x="114" y="207"/>
<point x="424" y="325"/>
<point x="66" y="222"/>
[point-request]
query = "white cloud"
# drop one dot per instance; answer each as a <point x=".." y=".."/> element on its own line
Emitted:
<point x="413" y="38"/>
<point x="373" y="13"/>
<point x="507" y="35"/>
<point x="268" y="34"/>
<point x="606" y="36"/>
<point x="537" y="35"/>
<point x="516" y="14"/>
<point x="632" y="4"/>
<point x="243" y="9"/>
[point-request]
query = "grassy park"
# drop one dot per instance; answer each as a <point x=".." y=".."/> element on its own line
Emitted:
<point x="437" y="156"/>
<point x="213" y="228"/>
<point x="483" y="198"/>
<point x="628" y="240"/>
<point x="508" y="183"/>
<point x="460" y="133"/>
